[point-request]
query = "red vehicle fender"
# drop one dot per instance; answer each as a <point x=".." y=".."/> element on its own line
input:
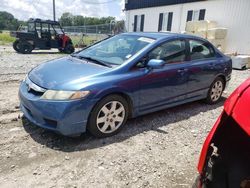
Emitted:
<point x="237" y="106"/>
<point x="241" y="111"/>
<point x="206" y="145"/>
<point x="65" y="39"/>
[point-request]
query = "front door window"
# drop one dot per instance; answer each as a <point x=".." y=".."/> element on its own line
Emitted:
<point x="170" y="52"/>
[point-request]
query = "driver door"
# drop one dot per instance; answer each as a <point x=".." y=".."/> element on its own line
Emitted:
<point x="166" y="86"/>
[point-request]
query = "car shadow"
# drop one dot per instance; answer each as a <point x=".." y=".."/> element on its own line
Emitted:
<point x="150" y="122"/>
<point x="46" y="52"/>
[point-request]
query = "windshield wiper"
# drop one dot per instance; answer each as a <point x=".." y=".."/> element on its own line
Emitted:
<point x="92" y="60"/>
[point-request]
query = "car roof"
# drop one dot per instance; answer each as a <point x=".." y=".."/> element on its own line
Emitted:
<point x="163" y="35"/>
<point x="37" y="20"/>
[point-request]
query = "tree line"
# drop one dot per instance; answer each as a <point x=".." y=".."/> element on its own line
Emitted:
<point x="9" y="22"/>
<point x="68" y="19"/>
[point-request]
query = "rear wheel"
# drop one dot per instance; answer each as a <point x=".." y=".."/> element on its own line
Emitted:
<point x="69" y="48"/>
<point x="108" y="116"/>
<point x="25" y="47"/>
<point x="215" y="91"/>
<point x="60" y="50"/>
<point x="16" y="45"/>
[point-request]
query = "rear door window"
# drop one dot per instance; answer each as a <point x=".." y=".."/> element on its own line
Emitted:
<point x="170" y="52"/>
<point x="45" y="27"/>
<point x="200" y="50"/>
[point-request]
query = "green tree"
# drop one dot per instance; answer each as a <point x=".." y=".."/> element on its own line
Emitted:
<point x="7" y="21"/>
<point x="78" y="20"/>
<point x="66" y="19"/>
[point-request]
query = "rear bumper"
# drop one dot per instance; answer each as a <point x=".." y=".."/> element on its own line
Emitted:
<point x="64" y="117"/>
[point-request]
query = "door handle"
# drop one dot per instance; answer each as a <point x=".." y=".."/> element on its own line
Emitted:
<point x="182" y="70"/>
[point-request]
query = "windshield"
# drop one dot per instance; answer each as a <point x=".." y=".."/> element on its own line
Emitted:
<point x="117" y="49"/>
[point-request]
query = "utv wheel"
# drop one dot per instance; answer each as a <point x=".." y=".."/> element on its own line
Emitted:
<point x="69" y="49"/>
<point x="16" y="46"/>
<point x="108" y="116"/>
<point x="25" y="47"/>
<point x="215" y="91"/>
<point x="60" y="50"/>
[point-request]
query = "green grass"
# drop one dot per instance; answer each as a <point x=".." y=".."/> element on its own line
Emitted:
<point x="5" y="38"/>
<point x="87" y="40"/>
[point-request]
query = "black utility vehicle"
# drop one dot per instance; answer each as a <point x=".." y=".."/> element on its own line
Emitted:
<point x="44" y="35"/>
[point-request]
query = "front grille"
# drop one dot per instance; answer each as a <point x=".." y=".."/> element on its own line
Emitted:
<point x="33" y="88"/>
<point x="36" y="93"/>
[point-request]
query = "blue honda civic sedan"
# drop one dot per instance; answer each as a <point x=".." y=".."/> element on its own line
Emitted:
<point x="128" y="75"/>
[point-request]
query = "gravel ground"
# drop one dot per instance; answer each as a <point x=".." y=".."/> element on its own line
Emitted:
<point x="156" y="150"/>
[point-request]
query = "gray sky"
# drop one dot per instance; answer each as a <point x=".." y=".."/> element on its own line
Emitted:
<point x="25" y="9"/>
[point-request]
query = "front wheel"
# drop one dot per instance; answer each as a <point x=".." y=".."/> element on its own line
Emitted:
<point x="215" y="91"/>
<point x="108" y="116"/>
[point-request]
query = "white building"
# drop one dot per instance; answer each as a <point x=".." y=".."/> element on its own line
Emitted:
<point x="172" y="15"/>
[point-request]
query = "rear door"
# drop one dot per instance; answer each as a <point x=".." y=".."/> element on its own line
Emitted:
<point x="202" y="67"/>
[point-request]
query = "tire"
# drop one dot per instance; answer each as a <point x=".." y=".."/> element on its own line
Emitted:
<point x="60" y="50"/>
<point x="108" y="116"/>
<point x="25" y="47"/>
<point x="16" y="45"/>
<point x="215" y="91"/>
<point x="69" y="48"/>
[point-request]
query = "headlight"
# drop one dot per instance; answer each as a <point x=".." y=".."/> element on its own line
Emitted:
<point x="24" y="79"/>
<point x="64" y="95"/>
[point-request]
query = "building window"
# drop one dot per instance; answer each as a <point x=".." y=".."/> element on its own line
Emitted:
<point x="139" y="23"/>
<point x="195" y="15"/>
<point x="165" y="21"/>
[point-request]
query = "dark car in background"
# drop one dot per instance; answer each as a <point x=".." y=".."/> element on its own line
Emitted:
<point x="225" y="156"/>
<point x="128" y="75"/>
<point x="42" y="35"/>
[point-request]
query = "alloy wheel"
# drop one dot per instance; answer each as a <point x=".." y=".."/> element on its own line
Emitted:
<point x="216" y="90"/>
<point x="110" y="117"/>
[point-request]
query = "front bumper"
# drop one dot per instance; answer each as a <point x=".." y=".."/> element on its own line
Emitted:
<point x="65" y="117"/>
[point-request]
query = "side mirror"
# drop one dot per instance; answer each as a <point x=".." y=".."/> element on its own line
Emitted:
<point x="156" y="63"/>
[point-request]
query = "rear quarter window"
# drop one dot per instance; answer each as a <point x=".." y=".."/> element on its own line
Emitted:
<point x="200" y="50"/>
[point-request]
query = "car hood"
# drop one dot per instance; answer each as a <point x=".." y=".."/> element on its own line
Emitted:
<point x="59" y="74"/>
